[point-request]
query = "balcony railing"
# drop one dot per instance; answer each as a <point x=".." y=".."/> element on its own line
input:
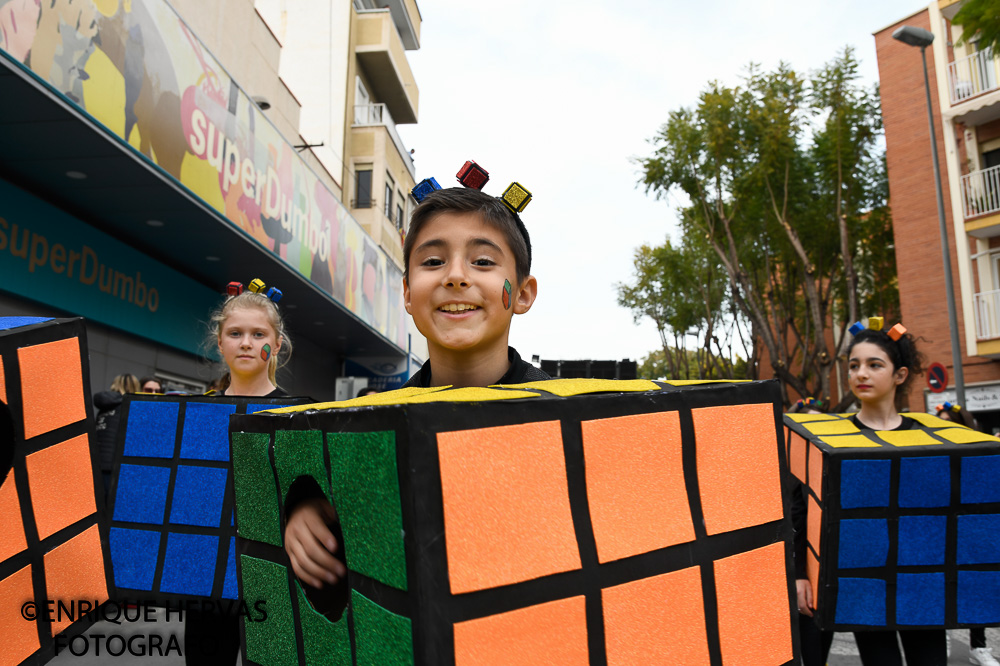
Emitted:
<point x="981" y="192"/>
<point x="973" y="75"/>
<point x="988" y="315"/>
<point x="372" y="115"/>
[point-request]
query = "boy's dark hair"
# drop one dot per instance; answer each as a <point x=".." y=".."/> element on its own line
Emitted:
<point x="493" y="212"/>
<point x="902" y="353"/>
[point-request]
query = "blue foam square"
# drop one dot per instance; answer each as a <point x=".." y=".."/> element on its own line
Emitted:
<point x="921" y="540"/>
<point x="133" y="556"/>
<point x="920" y="598"/>
<point x="979" y="539"/>
<point x="979" y="479"/>
<point x="152" y="429"/>
<point x="198" y="494"/>
<point x="864" y="542"/>
<point x="18" y="322"/>
<point x="979" y="597"/>
<point x="861" y="601"/>
<point x="925" y="482"/>
<point x="205" y="435"/>
<point x="864" y="483"/>
<point x="141" y="495"/>
<point x="229" y="588"/>
<point x="189" y="565"/>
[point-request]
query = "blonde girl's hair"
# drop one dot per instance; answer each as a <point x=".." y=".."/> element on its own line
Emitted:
<point x="246" y="300"/>
<point x="125" y="384"/>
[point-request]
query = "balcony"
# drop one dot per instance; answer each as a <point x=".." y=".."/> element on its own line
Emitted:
<point x="987" y="305"/>
<point x="973" y="75"/>
<point x="383" y="58"/>
<point x="377" y="115"/>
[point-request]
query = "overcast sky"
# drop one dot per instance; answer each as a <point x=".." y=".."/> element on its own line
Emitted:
<point x="560" y="95"/>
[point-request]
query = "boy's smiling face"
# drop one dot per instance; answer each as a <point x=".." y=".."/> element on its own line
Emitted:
<point x="455" y="288"/>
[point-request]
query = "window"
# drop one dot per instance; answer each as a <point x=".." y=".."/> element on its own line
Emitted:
<point x="991" y="158"/>
<point x="388" y="196"/>
<point x="363" y="189"/>
<point x="362" y="103"/>
<point x="399" y="214"/>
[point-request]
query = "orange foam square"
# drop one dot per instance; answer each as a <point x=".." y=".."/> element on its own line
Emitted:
<point x="61" y="481"/>
<point x="797" y="456"/>
<point x="754" y="608"/>
<point x="20" y="637"/>
<point x="812" y="573"/>
<point x="551" y="633"/>
<point x="12" y="539"/>
<point x="656" y="620"/>
<point x="75" y="570"/>
<point x="506" y="505"/>
<point x="51" y="385"/>
<point x="813" y="522"/>
<point x="816" y="471"/>
<point x="635" y="484"/>
<point x="738" y="475"/>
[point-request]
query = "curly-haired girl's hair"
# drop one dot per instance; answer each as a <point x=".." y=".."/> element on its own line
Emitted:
<point x="249" y="299"/>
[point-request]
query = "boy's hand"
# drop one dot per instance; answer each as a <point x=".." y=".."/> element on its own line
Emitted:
<point x="310" y="544"/>
<point x="804" y="591"/>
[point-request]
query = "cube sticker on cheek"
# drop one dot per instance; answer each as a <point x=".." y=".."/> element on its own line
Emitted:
<point x="265" y="353"/>
<point x="506" y="295"/>
<point x="562" y="521"/>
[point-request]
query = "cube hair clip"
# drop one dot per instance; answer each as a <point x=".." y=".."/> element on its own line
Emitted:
<point x="516" y="197"/>
<point x="809" y="402"/>
<point x="257" y="286"/>
<point x="948" y="407"/>
<point x="877" y="324"/>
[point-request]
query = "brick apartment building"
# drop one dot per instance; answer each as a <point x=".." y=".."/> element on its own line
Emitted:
<point x="965" y="97"/>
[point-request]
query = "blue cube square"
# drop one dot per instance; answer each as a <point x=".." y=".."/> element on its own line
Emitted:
<point x="979" y="539"/>
<point x="864" y="542"/>
<point x="920" y="598"/>
<point x="141" y="494"/>
<point x="861" y="601"/>
<point x="133" y="556"/>
<point x="189" y="565"/>
<point x="980" y="476"/>
<point x="925" y="482"/>
<point x="864" y="483"/>
<point x="152" y="429"/>
<point x="198" y="494"/>
<point x="921" y="540"/>
<point x="205" y="435"/>
<point x="979" y="597"/>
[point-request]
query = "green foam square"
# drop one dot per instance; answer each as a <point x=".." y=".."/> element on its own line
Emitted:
<point x="365" y="488"/>
<point x="253" y="483"/>
<point x="270" y="641"/>
<point x="382" y="637"/>
<point x="326" y="643"/>
<point x="300" y="453"/>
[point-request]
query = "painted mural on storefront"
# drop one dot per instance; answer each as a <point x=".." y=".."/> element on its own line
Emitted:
<point x="137" y="69"/>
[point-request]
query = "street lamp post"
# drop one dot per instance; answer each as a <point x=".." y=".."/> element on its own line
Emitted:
<point x="922" y="38"/>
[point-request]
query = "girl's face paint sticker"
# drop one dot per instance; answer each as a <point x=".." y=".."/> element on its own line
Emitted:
<point x="265" y="352"/>
<point x="506" y="295"/>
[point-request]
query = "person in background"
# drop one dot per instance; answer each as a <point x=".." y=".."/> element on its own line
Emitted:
<point x="106" y="423"/>
<point x="368" y="390"/>
<point x="979" y="654"/>
<point x="150" y="385"/>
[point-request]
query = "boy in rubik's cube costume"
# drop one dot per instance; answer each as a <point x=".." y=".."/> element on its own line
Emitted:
<point x="542" y="522"/>
<point x="551" y="522"/>
<point x="903" y="527"/>
<point x="53" y="541"/>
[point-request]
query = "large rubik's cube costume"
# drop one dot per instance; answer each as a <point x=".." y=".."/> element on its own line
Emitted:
<point x="171" y="527"/>
<point x="903" y="526"/>
<point x="566" y="521"/>
<point x="52" y="538"/>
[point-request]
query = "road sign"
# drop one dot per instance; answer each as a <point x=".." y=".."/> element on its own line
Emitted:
<point x="937" y="377"/>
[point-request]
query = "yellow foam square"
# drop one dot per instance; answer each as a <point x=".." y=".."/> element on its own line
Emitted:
<point x="850" y="442"/>
<point x="689" y="382"/>
<point x="907" y="437"/>
<point x="805" y="418"/>
<point x="929" y="420"/>
<point x="964" y="436"/>
<point x="570" y="387"/>
<point x="839" y="427"/>
<point x="413" y="395"/>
